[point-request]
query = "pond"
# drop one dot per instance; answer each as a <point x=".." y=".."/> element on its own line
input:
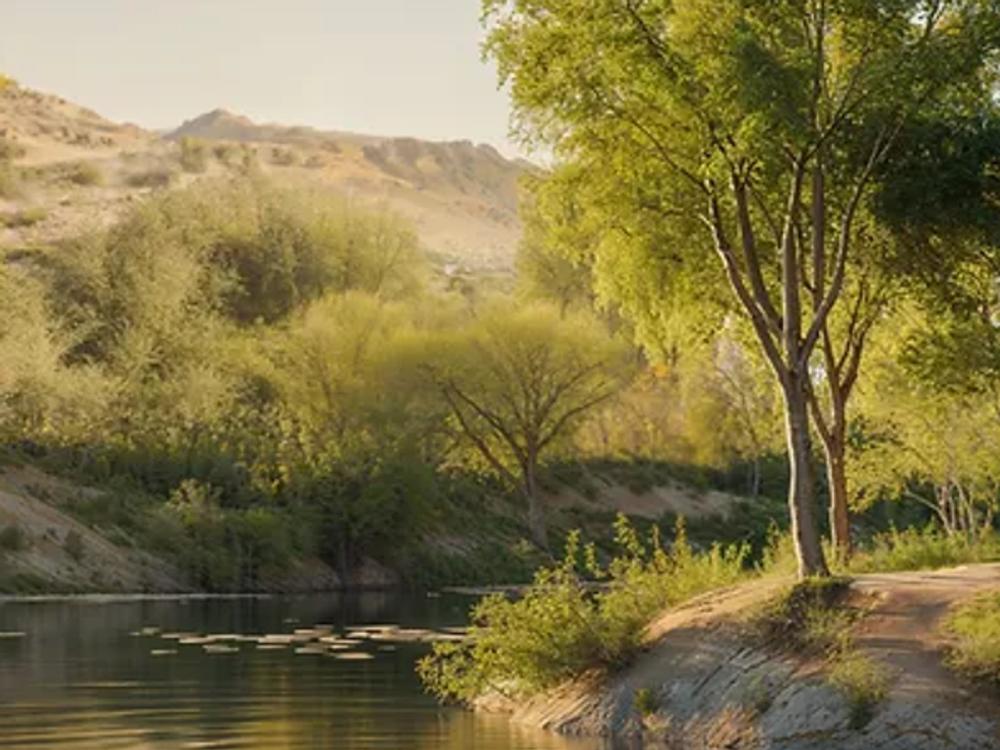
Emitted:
<point x="89" y="675"/>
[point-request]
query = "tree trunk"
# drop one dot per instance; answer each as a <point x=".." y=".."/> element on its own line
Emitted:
<point x="801" y="486"/>
<point x="836" y="474"/>
<point x="536" y="510"/>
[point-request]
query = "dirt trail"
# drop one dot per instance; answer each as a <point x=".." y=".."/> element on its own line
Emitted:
<point x="903" y="628"/>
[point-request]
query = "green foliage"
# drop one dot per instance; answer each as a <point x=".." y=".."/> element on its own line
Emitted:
<point x="74" y="546"/>
<point x="284" y="157"/>
<point x="153" y="177"/>
<point x="27" y="217"/>
<point x="806" y="617"/>
<point x="12" y="538"/>
<point x="645" y="702"/>
<point x="85" y="174"/>
<point x="561" y="626"/>
<point x="814" y="617"/>
<point x="924" y="549"/>
<point x="193" y="155"/>
<point x="974" y="631"/>
<point x="863" y="682"/>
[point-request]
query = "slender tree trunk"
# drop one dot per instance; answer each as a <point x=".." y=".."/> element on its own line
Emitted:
<point x="536" y="509"/>
<point x="801" y="485"/>
<point x="840" y="520"/>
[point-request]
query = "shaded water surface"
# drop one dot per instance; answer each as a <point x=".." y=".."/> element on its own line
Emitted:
<point x="82" y="679"/>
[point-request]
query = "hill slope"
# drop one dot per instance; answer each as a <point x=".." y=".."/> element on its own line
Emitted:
<point x="461" y="197"/>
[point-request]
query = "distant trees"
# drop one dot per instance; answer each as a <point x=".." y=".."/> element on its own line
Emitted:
<point x="750" y="134"/>
<point x="518" y="382"/>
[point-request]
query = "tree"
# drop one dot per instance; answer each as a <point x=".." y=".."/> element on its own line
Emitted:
<point x="924" y="441"/>
<point x="516" y="383"/>
<point x="748" y="130"/>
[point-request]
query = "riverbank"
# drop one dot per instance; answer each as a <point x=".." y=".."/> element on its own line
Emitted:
<point x="700" y="683"/>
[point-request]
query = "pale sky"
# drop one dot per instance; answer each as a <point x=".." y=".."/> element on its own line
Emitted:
<point x="381" y="67"/>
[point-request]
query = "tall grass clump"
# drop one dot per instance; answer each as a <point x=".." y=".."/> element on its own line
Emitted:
<point x="566" y="624"/>
<point x="816" y="618"/>
<point x="924" y="549"/>
<point x="974" y="628"/>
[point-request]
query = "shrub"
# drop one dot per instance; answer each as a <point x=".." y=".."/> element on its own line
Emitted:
<point x="10" y="150"/>
<point x="85" y="173"/>
<point x="806" y="617"/>
<point x="13" y="538"/>
<point x="863" y="682"/>
<point x="27" y="217"/>
<point x="154" y="177"/>
<point x="283" y="157"/>
<point x="225" y="153"/>
<point x="561" y="627"/>
<point x="193" y="156"/>
<point x="927" y="548"/>
<point x="10" y="182"/>
<point x="974" y="628"/>
<point x="73" y="544"/>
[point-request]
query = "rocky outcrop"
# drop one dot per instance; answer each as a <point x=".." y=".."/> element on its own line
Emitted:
<point x="703" y="687"/>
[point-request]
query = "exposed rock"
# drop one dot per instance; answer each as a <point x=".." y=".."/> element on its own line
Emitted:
<point x="713" y="691"/>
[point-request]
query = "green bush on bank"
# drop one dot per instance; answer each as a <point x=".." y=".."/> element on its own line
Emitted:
<point x="975" y="630"/>
<point x="923" y="549"/>
<point x="562" y="627"/>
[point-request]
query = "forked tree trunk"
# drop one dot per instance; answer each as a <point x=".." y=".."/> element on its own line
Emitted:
<point x="801" y="485"/>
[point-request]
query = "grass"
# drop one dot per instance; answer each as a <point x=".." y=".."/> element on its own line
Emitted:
<point x="924" y="549"/>
<point x="863" y="682"/>
<point x="85" y="174"/>
<point x="154" y="177"/>
<point x="26" y="217"/>
<point x="974" y="628"/>
<point x="561" y="627"/>
<point x="13" y="538"/>
<point x="815" y="618"/>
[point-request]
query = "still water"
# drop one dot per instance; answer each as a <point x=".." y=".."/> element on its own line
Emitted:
<point x="82" y="678"/>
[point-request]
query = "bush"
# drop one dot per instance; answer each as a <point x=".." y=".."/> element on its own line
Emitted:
<point x="27" y="217"/>
<point x="13" y="538"/>
<point x="193" y="156"/>
<point x="10" y="150"/>
<point x="283" y="157"/>
<point x="561" y="627"/>
<point x="73" y="544"/>
<point x="806" y="617"/>
<point x="10" y="182"/>
<point x="154" y="177"/>
<point x="85" y="173"/>
<point x="863" y="682"/>
<point x="974" y="628"/>
<point x="922" y="549"/>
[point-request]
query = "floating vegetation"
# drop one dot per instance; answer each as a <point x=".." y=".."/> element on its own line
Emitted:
<point x="353" y="656"/>
<point x="213" y="648"/>
<point x="163" y="652"/>
<point x="12" y="635"/>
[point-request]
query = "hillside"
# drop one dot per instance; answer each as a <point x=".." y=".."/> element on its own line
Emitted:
<point x="461" y="197"/>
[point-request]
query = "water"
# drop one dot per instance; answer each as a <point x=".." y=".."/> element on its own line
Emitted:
<point x="79" y="681"/>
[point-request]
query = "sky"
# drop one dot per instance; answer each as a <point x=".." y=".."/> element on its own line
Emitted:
<point x="380" y="67"/>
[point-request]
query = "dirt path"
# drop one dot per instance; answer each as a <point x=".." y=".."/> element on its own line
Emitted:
<point x="903" y="629"/>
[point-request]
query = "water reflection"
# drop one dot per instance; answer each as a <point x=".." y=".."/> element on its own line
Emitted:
<point x="79" y="681"/>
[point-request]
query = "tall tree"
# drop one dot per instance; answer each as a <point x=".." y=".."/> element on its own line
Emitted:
<point x="751" y="130"/>
<point x="517" y="384"/>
